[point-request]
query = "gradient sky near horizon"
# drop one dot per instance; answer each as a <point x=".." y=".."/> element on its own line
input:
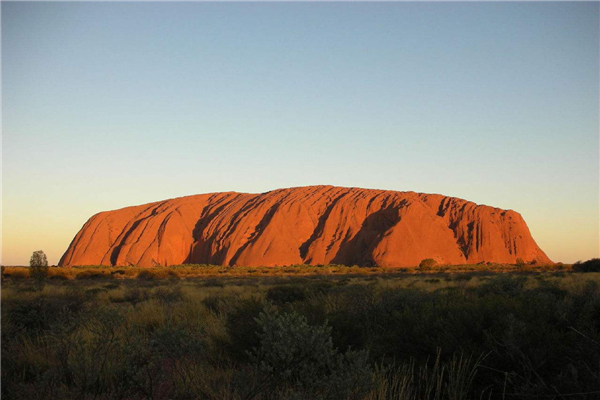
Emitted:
<point x="107" y="105"/>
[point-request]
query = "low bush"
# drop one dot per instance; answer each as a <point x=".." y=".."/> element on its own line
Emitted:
<point x="16" y="273"/>
<point x="92" y="275"/>
<point x="155" y="274"/>
<point x="59" y="274"/>
<point x="130" y="295"/>
<point x="118" y="272"/>
<point x="503" y="284"/>
<point x="241" y="324"/>
<point x="95" y="291"/>
<point x="146" y="275"/>
<point x="427" y="264"/>
<point x="296" y="359"/>
<point x="112" y="285"/>
<point x="169" y="295"/>
<point x="592" y="265"/>
<point x="213" y="282"/>
<point x="286" y="294"/>
<point x="462" y="277"/>
<point x="38" y="313"/>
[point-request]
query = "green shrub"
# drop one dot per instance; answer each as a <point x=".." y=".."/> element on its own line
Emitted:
<point x="241" y="327"/>
<point x="39" y="313"/>
<point x="172" y="341"/>
<point x="286" y="294"/>
<point x="295" y="357"/>
<point x="319" y="287"/>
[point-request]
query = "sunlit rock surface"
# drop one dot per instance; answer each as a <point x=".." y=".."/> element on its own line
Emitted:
<point x="305" y="225"/>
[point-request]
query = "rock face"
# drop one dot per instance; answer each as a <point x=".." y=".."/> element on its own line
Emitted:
<point x="305" y="225"/>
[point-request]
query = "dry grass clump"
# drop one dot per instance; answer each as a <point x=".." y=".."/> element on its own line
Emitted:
<point x="157" y="273"/>
<point x="92" y="274"/>
<point x="58" y="274"/>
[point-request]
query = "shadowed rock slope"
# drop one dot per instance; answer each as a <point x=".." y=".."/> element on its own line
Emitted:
<point x="305" y="225"/>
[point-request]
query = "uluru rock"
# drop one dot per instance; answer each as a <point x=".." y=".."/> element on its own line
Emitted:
<point x="305" y="225"/>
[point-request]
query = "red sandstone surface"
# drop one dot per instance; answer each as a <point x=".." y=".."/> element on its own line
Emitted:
<point x="305" y="225"/>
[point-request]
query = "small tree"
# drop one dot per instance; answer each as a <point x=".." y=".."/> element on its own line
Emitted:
<point x="38" y="265"/>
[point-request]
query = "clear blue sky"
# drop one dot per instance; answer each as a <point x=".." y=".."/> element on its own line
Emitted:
<point x="113" y="104"/>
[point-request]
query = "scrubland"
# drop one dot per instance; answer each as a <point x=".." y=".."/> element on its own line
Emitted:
<point x="205" y="270"/>
<point x="331" y="332"/>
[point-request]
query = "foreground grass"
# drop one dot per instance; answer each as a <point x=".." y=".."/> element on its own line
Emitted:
<point x="339" y="336"/>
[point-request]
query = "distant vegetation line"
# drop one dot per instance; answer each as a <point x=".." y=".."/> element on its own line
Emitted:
<point x="200" y="270"/>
